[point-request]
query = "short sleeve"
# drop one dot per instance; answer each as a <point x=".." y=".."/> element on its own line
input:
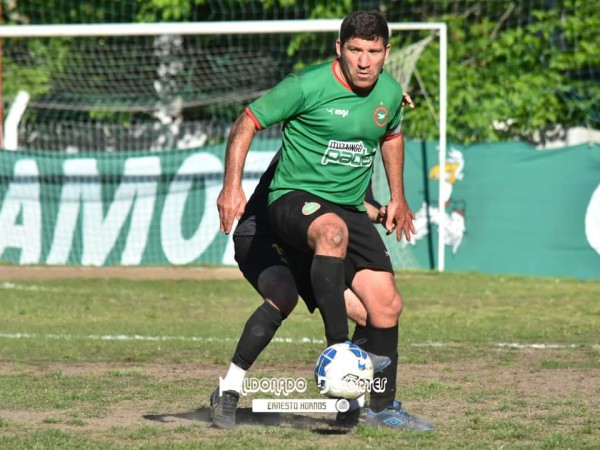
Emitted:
<point x="395" y="125"/>
<point x="284" y="101"/>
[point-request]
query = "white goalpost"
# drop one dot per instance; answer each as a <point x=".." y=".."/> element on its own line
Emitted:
<point x="271" y="27"/>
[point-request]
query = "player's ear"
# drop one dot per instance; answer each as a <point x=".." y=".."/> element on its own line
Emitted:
<point x="338" y="48"/>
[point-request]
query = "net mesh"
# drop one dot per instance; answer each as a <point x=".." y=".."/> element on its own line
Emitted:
<point x="127" y="93"/>
<point x="132" y="93"/>
<point x="533" y="66"/>
<point x="124" y="142"/>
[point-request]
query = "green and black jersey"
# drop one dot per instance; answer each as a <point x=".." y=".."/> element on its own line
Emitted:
<point x="330" y="133"/>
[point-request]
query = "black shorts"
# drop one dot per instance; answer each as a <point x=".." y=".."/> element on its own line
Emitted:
<point x="255" y="254"/>
<point x="290" y="219"/>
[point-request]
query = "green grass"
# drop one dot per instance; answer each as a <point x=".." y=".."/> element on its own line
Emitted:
<point x="495" y="362"/>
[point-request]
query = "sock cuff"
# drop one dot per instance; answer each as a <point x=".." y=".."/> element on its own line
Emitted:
<point x="382" y="341"/>
<point x="271" y="313"/>
<point x="328" y="258"/>
<point x="370" y="327"/>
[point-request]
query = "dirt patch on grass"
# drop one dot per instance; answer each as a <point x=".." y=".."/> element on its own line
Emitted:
<point x="449" y="394"/>
<point x="20" y="273"/>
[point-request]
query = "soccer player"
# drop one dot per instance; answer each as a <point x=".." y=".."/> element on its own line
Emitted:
<point x="335" y="116"/>
<point x="264" y="264"/>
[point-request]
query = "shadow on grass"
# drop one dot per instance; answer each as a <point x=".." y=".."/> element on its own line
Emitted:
<point x="245" y="416"/>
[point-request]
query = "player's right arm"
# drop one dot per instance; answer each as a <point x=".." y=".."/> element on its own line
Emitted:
<point x="231" y="202"/>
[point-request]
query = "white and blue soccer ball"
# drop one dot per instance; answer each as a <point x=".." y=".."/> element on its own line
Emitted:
<point x="343" y="371"/>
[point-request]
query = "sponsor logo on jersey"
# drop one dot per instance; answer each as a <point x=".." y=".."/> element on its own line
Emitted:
<point x="348" y="154"/>
<point x="380" y="116"/>
<point x="338" y="112"/>
<point x="310" y="208"/>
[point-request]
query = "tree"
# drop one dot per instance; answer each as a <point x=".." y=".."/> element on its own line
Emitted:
<point x="524" y="81"/>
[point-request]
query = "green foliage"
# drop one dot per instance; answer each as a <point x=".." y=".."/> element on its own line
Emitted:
<point x="331" y="10"/>
<point x="526" y="79"/>
<point x="275" y="3"/>
<point x="167" y="10"/>
<point x="33" y="75"/>
<point x="61" y="11"/>
<point x="325" y="10"/>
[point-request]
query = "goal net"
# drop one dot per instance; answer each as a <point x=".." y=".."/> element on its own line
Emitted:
<point x="112" y="115"/>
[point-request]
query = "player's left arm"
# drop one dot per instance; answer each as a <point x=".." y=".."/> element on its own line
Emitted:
<point x="377" y="213"/>
<point x="399" y="217"/>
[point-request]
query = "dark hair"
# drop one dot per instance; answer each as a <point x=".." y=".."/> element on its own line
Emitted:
<point x="368" y="25"/>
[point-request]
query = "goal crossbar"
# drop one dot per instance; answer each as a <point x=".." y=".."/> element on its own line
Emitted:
<point x="183" y="28"/>
<point x="258" y="27"/>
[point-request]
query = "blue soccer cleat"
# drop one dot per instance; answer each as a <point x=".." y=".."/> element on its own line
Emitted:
<point x="396" y="418"/>
<point x="379" y="362"/>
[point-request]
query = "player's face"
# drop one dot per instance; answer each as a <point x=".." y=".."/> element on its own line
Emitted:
<point x="361" y="61"/>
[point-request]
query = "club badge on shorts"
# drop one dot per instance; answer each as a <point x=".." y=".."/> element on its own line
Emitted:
<point x="310" y="208"/>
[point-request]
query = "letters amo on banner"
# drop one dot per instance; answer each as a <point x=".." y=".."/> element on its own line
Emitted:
<point x="136" y="200"/>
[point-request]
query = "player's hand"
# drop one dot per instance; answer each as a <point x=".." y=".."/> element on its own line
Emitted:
<point x="381" y="215"/>
<point x="400" y="218"/>
<point x="407" y="101"/>
<point x="231" y="204"/>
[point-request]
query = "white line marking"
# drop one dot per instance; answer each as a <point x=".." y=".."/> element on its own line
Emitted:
<point x="536" y="346"/>
<point x="26" y="287"/>
<point x="278" y="340"/>
<point x="137" y="337"/>
<point x="11" y="285"/>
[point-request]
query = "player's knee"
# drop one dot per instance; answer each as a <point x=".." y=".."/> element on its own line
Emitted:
<point x="386" y="312"/>
<point x="392" y="305"/>
<point x="285" y="299"/>
<point x="328" y="235"/>
<point x="277" y="285"/>
<point x="396" y="305"/>
<point x="338" y="237"/>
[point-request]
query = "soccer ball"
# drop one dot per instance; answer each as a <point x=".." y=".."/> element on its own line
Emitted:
<point x="343" y="371"/>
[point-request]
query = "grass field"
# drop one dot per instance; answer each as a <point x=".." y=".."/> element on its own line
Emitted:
<point x="494" y="362"/>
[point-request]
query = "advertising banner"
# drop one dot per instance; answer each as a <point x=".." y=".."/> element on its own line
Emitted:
<point x="509" y="209"/>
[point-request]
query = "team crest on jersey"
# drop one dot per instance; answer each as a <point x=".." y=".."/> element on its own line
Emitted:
<point x="380" y="116"/>
<point x="310" y="208"/>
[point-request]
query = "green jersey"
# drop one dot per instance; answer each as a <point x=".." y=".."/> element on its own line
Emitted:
<point x="330" y="133"/>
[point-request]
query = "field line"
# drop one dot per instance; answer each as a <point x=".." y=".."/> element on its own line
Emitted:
<point x="137" y="337"/>
<point x="278" y="340"/>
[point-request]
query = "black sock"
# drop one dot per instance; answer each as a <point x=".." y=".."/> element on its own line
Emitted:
<point x="383" y="342"/>
<point x="359" y="337"/>
<point x="327" y="274"/>
<point x="258" y="332"/>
